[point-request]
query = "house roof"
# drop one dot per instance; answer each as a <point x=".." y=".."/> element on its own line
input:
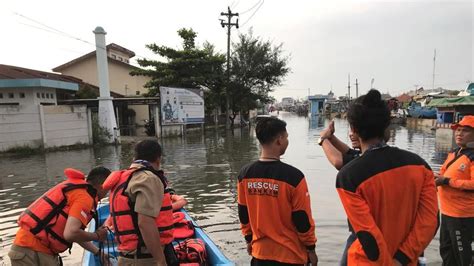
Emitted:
<point x="450" y="102"/>
<point x="18" y="77"/>
<point x="112" y="46"/>
<point x="404" y="98"/>
<point x="14" y="72"/>
<point x="13" y="76"/>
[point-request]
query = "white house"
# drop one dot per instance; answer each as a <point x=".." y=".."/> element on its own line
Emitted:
<point x="30" y="116"/>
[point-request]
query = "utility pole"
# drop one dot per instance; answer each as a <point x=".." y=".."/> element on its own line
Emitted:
<point x="434" y="64"/>
<point x="357" y="88"/>
<point x="229" y="25"/>
<point x="349" y="87"/>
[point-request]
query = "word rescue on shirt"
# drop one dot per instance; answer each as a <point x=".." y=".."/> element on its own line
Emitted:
<point x="262" y="188"/>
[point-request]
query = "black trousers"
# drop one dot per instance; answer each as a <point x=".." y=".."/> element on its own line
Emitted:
<point x="456" y="235"/>
<point x="259" y="262"/>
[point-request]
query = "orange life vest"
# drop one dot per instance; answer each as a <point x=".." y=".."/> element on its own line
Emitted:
<point x="46" y="217"/>
<point x="125" y="219"/>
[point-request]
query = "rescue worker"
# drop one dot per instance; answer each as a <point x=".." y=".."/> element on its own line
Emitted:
<point x="58" y="218"/>
<point x="388" y="194"/>
<point x="274" y="205"/>
<point x="455" y="183"/>
<point x="141" y="210"/>
<point x="337" y="152"/>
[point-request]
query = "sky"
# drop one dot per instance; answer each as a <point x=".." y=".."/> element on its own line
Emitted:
<point x="391" y="42"/>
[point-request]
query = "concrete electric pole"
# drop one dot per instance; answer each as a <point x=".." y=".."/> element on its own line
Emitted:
<point x="106" y="107"/>
<point x="229" y="25"/>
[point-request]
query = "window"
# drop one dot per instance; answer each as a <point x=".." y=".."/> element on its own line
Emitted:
<point x="11" y="95"/>
<point x="47" y="95"/>
<point x="114" y="57"/>
<point x="137" y="92"/>
<point x="126" y="60"/>
<point x="1" y="95"/>
<point x="120" y="58"/>
<point x="37" y="95"/>
<point x="52" y="96"/>
<point x="42" y="95"/>
<point x="22" y="95"/>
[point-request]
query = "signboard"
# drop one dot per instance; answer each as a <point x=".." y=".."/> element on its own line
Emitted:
<point x="181" y="106"/>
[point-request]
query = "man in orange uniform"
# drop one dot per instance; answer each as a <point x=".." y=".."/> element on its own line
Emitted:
<point x="53" y="222"/>
<point x="274" y="205"/>
<point x="456" y="195"/>
<point x="388" y="194"/>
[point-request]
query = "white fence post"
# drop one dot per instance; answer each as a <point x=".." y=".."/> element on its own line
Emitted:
<point x="42" y="125"/>
<point x="89" y="125"/>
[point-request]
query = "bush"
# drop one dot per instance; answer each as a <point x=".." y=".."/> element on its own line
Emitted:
<point x="100" y="135"/>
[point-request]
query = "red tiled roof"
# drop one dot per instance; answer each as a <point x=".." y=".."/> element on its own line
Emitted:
<point x="108" y="47"/>
<point x="14" y="72"/>
<point x="404" y="98"/>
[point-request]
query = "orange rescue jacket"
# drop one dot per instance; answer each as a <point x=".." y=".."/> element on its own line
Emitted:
<point x="457" y="196"/>
<point x="46" y="217"/>
<point x="275" y="212"/>
<point x="389" y="196"/>
<point x="125" y="219"/>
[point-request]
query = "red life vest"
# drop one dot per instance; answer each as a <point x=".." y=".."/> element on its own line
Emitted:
<point x="125" y="219"/>
<point x="46" y="217"/>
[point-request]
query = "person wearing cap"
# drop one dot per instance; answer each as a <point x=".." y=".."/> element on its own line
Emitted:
<point x="455" y="183"/>
<point x="58" y="218"/>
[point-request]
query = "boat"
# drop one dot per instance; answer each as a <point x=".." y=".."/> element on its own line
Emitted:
<point x="214" y="254"/>
<point x="417" y="111"/>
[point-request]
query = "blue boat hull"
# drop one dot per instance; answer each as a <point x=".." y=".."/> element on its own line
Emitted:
<point x="422" y="112"/>
<point x="214" y="254"/>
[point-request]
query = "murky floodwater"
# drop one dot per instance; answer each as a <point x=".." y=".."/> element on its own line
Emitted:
<point x="204" y="168"/>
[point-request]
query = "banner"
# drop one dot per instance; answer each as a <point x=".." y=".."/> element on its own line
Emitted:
<point x="181" y="106"/>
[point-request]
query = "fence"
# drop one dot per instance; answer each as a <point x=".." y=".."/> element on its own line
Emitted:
<point x="37" y="126"/>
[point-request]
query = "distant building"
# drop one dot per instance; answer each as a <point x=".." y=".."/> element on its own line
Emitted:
<point x="121" y="82"/>
<point x="22" y="86"/>
<point x="287" y="102"/>
<point x="30" y="114"/>
<point x="316" y="104"/>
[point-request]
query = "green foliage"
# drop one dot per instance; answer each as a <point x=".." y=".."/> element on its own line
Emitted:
<point x="86" y="92"/>
<point x="190" y="67"/>
<point x="100" y="135"/>
<point x="257" y="67"/>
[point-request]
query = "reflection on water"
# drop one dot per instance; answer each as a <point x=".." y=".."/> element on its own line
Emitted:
<point x="203" y="168"/>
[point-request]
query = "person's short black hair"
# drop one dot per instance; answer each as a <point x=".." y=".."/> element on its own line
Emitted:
<point x="148" y="150"/>
<point x="97" y="175"/>
<point x="269" y="128"/>
<point x="369" y="116"/>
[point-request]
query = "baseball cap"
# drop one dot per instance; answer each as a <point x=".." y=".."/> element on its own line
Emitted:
<point x="466" y="121"/>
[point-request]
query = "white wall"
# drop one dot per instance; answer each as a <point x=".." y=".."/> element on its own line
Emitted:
<point x="28" y="96"/>
<point x="65" y="125"/>
<point x="20" y="126"/>
<point x="43" y="126"/>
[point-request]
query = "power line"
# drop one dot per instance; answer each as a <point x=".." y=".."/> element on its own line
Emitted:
<point x="256" y="4"/>
<point x="253" y="14"/>
<point x="54" y="29"/>
<point x="60" y="32"/>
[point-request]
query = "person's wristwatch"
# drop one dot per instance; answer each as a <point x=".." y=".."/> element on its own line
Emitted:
<point x="321" y="140"/>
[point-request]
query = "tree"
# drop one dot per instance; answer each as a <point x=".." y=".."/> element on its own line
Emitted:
<point x="87" y="92"/>
<point x="190" y="67"/>
<point x="257" y="66"/>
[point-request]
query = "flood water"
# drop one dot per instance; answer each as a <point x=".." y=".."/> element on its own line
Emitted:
<point x="203" y="168"/>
